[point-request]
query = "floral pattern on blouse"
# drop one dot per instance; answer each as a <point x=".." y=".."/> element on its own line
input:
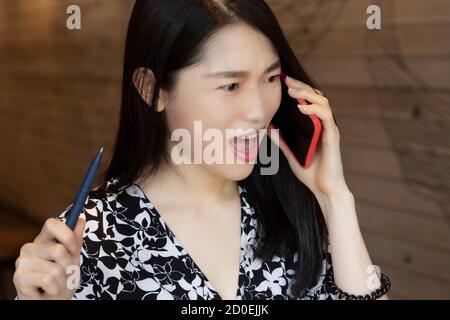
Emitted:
<point x="129" y="252"/>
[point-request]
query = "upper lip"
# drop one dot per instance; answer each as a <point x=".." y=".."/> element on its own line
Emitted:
<point x="247" y="133"/>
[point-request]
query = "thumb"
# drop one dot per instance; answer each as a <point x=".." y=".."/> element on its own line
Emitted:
<point x="79" y="231"/>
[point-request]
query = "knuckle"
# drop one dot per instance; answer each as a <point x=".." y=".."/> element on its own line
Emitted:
<point x="48" y="279"/>
<point x="18" y="263"/>
<point x="26" y="263"/>
<point x="57" y="271"/>
<point x="49" y="224"/>
<point x="18" y="279"/>
<point x="26" y="249"/>
<point x="49" y="221"/>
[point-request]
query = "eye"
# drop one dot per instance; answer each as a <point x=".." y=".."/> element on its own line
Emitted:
<point x="274" y="78"/>
<point x="229" y="87"/>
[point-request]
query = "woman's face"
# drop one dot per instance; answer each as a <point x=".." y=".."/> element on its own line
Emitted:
<point x="247" y="100"/>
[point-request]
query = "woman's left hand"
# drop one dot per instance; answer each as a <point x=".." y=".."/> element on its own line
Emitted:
<point x="325" y="176"/>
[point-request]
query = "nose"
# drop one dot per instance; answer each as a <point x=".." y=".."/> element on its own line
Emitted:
<point x="254" y="111"/>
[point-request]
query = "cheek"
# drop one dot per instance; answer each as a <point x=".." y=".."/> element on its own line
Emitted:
<point x="182" y="112"/>
<point x="176" y="119"/>
<point x="203" y="110"/>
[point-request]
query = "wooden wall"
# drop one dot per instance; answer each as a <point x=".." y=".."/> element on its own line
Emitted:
<point x="60" y="97"/>
<point x="390" y="91"/>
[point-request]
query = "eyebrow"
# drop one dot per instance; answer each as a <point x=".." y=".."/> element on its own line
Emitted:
<point x="241" y="74"/>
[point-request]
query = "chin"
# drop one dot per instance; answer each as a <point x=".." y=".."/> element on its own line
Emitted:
<point x="237" y="172"/>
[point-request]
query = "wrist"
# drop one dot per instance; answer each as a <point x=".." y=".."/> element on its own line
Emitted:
<point x="338" y="197"/>
<point x="340" y="203"/>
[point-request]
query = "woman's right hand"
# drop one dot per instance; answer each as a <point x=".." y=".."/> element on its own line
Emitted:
<point x="44" y="265"/>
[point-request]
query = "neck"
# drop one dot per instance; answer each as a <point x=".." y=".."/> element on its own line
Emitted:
<point x="191" y="184"/>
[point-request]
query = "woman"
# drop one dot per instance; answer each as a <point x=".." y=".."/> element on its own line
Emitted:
<point x="158" y="228"/>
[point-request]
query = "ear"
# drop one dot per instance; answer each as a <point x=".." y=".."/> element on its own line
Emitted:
<point x="144" y="80"/>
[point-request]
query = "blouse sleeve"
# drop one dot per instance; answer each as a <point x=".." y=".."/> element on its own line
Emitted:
<point x="89" y="286"/>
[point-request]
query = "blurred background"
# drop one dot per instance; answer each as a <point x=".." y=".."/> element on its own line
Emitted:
<point x="389" y="89"/>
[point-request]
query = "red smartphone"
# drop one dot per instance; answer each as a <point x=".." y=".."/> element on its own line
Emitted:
<point x="301" y="132"/>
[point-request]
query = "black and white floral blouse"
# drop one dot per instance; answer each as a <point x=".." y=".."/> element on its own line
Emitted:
<point x="130" y="253"/>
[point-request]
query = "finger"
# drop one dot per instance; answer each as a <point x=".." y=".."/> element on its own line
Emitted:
<point x="25" y="291"/>
<point x="312" y="97"/>
<point x="39" y="265"/>
<point x="319" y="92"/>
<point x="55" y="229"/>
<point x="28" y="283"/>
<point x="79" y="231"/>
<point x="51" y="252"/>
<point x="297" y="84"/>
<point x="323" y="113"/>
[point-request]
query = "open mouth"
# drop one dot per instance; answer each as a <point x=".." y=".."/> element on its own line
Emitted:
<point x="246" y="146"/>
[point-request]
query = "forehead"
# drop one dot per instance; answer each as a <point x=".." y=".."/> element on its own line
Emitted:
<point x="239" y="47"/>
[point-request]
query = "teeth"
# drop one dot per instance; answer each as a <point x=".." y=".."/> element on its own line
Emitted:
<point x="253" y="136"/>
<point x="244" y="144"/>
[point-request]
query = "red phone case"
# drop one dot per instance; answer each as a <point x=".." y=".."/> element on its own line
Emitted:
<point x="315" y="137"/>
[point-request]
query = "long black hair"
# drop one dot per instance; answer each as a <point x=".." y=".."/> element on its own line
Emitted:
<point x="169" y="35"/>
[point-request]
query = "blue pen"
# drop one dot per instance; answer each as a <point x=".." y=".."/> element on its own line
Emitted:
<point x="82" y="194"/>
